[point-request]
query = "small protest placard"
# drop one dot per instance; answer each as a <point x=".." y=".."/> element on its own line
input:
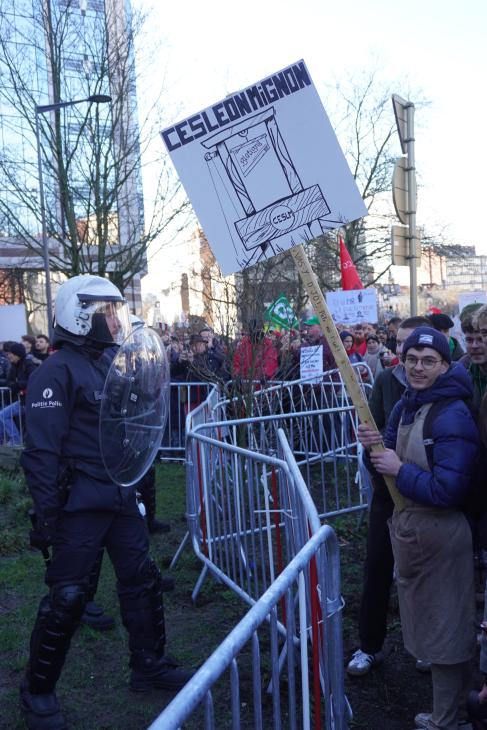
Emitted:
<point x="311" y="363"/>
<point x="12" y="321"/>
<point x="263" y="169"/>
<point x="353" y="307"/>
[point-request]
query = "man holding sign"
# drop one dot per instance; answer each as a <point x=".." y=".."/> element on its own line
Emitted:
<point x="431" y="538"/>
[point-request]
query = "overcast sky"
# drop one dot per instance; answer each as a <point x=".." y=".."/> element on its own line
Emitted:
<point x="211" y="49"/>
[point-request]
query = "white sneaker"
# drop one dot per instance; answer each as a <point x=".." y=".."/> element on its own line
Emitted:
<point x="421" y="720"/>
<point x="362" y="663"/>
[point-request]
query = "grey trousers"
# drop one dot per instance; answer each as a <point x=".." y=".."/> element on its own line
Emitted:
<point x="450" y="684"/>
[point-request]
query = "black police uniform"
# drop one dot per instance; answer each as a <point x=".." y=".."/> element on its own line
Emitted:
<point x="62" y="418"/>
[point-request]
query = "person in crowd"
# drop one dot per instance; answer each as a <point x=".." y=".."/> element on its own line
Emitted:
<point x="392" y="327"/>
<point x="166" y="337"/>
<point x="430" y="535"/>
<point x="29" y="343"/>
<point x="368" y="329"/>
<point x="62" y="415"/>
<point x="443" y="323"/>
<point x="475" y="359"/>
<point x="477" y="700"/>
<point x="4" y="365"/>
<point x="196" y="365"/>
<point x="359" y="339"/>
<point x="387" y="390"/>
<point x="377" y="357"/>
<point x="256" y="357"/>
<point x="382" y="335"/>
<point x="350" y="346"/>
<point x="215" y="353"/>
<point x="314" y="337"/>
<point x="40" y="351"/>
<point x="21" y="368"/>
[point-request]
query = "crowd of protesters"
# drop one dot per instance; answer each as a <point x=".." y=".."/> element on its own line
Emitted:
<point x="18" y="360"/>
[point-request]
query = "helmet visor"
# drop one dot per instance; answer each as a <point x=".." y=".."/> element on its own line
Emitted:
<point x="104" y="321"/>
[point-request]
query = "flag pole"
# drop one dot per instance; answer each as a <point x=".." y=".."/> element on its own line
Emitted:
<point x="341" y="358"/>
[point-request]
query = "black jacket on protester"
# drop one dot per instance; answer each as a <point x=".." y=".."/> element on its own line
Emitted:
<point x="62" y="418"/>
<point x="19" y="376"/>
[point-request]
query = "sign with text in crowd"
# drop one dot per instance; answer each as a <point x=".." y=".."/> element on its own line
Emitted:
<point x="263" y="169"/>
<point x="353" y="307"/>
<point x="311" y="363"/>
<point x="12" y="322"/>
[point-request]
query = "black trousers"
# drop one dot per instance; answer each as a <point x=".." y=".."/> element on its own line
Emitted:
<point x="378" y="574"/>
<point x="125" y="536"/>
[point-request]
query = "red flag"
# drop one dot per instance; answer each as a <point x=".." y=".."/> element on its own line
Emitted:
<point x="350" y="277"/>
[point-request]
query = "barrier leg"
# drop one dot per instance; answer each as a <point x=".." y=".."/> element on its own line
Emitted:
<point x="199" y="583"/>
<point x="178" y="552"/>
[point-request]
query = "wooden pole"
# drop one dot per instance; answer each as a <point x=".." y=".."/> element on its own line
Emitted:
<point x="341" y="358"/>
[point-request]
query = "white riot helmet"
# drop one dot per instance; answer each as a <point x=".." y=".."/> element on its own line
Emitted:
<point x="136" y="321"/>
<point x="91" y="309"/>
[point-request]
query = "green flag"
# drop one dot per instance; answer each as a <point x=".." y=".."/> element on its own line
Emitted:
<point x="280" y="313"/>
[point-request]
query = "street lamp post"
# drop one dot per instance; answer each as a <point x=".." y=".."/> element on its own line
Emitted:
<point x="42" y="109"/>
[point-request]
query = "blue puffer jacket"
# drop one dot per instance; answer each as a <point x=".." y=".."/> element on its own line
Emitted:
<point x="456" y="441"/>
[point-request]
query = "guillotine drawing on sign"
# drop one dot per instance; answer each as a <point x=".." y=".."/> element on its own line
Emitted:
<point x="260" y="191"/>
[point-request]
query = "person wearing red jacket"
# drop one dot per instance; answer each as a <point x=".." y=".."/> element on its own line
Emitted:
<point x="256" y="357"/>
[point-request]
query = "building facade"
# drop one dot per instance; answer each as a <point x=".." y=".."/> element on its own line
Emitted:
<point x="192" y="287"/>
<point x="54" y="51"/>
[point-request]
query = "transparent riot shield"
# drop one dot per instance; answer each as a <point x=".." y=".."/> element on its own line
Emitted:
<point x="134" y="407"/>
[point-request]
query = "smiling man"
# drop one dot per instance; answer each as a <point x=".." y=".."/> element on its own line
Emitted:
<point x="431" y="538"/>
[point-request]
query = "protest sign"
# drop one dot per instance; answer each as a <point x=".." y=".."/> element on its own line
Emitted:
<point x="311" y="363"/>
<point x="353" y="307"/>
<point x="13" y="322"/>
<point x="263" y="169"/>
<point x="281" y="314"/>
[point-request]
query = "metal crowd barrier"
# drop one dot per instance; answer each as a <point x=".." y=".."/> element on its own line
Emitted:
<point x="322" y="437"/>
<point x="320" y="424"/>
<point x="306" y="598"/>
<point x="248" y="513"/>
<point x="200" y="415"/>
<point x="184" y="399"/>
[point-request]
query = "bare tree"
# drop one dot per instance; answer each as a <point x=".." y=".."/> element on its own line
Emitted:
<point x="91" y="153"/>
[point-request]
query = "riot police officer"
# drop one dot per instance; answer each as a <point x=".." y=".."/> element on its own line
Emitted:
<point x="62" y="417"/>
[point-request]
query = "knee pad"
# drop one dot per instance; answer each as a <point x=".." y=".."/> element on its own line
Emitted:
<point x="67" y="603"/>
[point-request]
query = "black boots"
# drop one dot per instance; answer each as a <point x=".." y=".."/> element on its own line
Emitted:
<point x="150" y="671"/>
<point x="41" y="712"/>
<point x="154" y="526"/>
<point x="95" y="617"/>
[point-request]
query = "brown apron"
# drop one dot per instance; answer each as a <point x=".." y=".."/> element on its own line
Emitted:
<point x="434" y="568"/>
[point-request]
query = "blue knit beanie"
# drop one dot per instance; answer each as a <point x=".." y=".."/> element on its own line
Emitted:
<point x="428" y="337"/>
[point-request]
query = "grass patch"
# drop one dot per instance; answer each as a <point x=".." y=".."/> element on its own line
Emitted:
<point x="93" y="687"/>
